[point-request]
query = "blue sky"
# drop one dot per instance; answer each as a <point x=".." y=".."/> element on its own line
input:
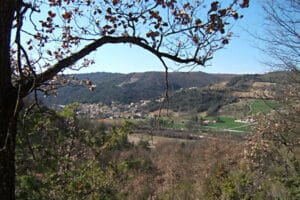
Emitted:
<point x="239" y="57"/>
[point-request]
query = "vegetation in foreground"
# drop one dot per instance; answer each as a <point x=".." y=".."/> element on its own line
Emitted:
<point x="71" y="158"/>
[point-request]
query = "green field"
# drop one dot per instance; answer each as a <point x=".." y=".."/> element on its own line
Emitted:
<point x="261" y="106"/>
<point x="223" y="123"/>
<point x="257" y="106"/>
<point x="228" y="123"/>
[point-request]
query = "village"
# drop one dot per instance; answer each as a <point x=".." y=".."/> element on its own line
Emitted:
<point x="114" y="110"/>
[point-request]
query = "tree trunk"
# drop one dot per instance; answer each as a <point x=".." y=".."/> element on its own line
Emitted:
<point x="8" y="98"/>
<point x="8" y="130"/>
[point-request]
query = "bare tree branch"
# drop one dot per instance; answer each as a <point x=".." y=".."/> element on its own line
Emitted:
<point x="66" y="62"/>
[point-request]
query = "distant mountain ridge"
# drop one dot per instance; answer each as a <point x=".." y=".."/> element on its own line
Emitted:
<point x="133" y="87"/>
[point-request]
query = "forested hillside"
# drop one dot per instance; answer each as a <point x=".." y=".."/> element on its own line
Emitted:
<point x="126" y="88"/>
<point x="212" y="97"/>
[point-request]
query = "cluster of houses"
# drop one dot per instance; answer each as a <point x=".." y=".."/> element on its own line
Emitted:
<point x="114" y="110"/>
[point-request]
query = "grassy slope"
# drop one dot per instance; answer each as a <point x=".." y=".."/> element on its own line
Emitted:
<point x="260" y="106"/>
<point x="254" y="107"/>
